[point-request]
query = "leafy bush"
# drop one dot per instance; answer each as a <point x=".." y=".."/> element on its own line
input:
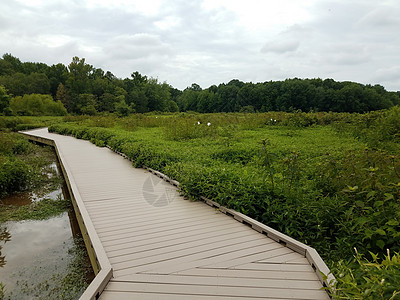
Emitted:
<point x="14" y="175"/>
<point x="364" y="279"/>
<point x="37" y="105"/>
<point x="13" y="144"/>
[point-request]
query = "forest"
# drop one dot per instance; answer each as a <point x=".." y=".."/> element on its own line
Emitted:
<point x="34" y="88"/>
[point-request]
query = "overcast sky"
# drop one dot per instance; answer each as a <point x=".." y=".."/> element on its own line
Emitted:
<point x="211" y="41"/>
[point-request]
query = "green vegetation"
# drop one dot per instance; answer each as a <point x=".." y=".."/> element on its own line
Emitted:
<point x="364" y="279"/>
<point x="40" y="210"/>
<point x="28" y="167"/>
<point x="37" y="105"/>
<point x="84" y="89"/>
<point x="325" y="179"/>
<point x="24" y="166"/>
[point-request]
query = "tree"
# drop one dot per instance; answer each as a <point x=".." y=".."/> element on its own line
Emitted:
<point x="86" y="104"/>
<point x="62" y="96"/>
<point x="227" y="98"/>
<point x="205" y="101"/>
<point x="4" y="99"/>
<point x="107" y="102"/>
<point x="57" y="74"/>
<point x="38" y="83"/>
<point x="14" y="63"/>
<point x="157" y="94"/>
<point x="195" y="87"/>
<point x="122" y="109"/>
<point x="78" y="77"/>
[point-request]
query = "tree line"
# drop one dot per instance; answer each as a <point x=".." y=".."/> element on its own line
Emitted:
<point x="80" y="88"/>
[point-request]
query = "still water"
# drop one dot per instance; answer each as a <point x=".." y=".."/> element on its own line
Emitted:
<point x="42" y="259"/>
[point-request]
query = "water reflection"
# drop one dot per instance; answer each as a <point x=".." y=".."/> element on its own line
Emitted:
<point x="36" y="252"/>
<point x="26" y="198"/>
<point x="37" y="256"/>
<point x="5" y="237"/>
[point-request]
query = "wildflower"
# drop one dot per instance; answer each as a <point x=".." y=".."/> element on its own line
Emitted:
<point x="198" y="123"/>
<point x="208" y="124"/>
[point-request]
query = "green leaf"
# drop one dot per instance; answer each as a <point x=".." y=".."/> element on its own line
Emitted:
<point x="392" y="222"/>
<point x="380" y="244"/>
<point x="389" y="196"/>
<point x="378" y="203"/>
<point x="380" y="231"/>
<point x="360" y="203"/>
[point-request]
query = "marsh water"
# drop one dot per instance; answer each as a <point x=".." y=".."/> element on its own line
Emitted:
<point x="42" y="259"/>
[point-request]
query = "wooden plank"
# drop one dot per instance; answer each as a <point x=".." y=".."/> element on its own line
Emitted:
<point x="211" y="257"/>
<point x="224" y="281"/>
<point x="182" y="241"/>
<point x="188" y="247"/>
<point x="123" y="295"/>
<point x="188" y="230"/>
<point x="275" y="267"/>
<point x="246" y="273"/>
<point x="177" y="238"/>
<point x="292" y="257"/>
<point x="210" y="290"/>
<point x="168" y="262"/>
<point x="277" y="251"/>
<point x="170" y="227"/>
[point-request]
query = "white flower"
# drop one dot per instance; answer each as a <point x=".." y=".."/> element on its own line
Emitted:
<point x="208" y="124"/>
<point x="198" y="123"/>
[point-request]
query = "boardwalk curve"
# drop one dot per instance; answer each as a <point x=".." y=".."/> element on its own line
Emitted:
<point x="146" y="242"/>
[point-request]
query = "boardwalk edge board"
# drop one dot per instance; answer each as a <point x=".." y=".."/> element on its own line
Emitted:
<point x="97" y="255"/>
<point x="321" y="269"/>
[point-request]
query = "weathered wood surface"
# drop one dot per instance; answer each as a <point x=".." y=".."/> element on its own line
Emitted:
<point x="161" y="246"/>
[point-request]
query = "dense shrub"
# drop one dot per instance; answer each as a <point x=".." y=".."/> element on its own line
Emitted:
<point x="368" y="279"/>
<point x="14" y="175"/>
<point x="37" y="105"/>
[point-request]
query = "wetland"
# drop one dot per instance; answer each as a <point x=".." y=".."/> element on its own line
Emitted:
<point x="42" y="254"/>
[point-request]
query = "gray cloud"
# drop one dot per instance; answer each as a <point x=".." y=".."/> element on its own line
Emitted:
<point x="281" y="46"/>
<point x="183" y="42"/>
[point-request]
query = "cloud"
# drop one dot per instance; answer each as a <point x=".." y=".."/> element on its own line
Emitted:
<point x="210" y="41"/>
<point x="281" y="46"/>
<point x="379" y="18"/>
<point x="136" y="46"/>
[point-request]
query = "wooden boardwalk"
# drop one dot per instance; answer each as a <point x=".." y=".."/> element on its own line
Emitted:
<point x="147" y="242"/>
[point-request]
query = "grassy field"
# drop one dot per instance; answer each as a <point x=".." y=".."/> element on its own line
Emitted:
<point x="327" y="179"/>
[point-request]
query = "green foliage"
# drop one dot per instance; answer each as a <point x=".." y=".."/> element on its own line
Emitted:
<point x="21" y="164"/>
<point x="14" y="175"/>
<point x="68" y="84"/>
<point x="368" y="279"/>
<point x="380" y="130"/>
<point x="4" y="99"/>
<point x="122" y="109"/>
<point x="13" y="144"/>
<point x="37" y="105"/>
<point x="25" y="122"/>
